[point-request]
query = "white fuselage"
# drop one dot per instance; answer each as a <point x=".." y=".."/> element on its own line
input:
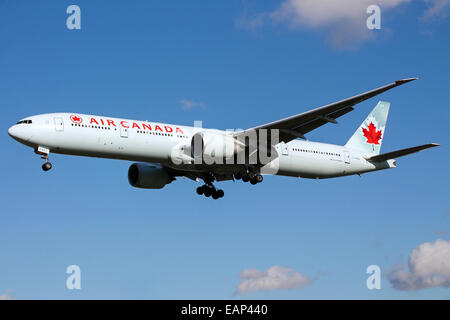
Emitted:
<point x="114" y="138"/>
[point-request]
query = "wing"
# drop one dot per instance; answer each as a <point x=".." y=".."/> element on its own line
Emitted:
<point x="298" y="125"/>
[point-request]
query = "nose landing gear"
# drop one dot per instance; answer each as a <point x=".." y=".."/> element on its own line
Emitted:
<point x="46" y="166"/>
<point x="44" y="152"/>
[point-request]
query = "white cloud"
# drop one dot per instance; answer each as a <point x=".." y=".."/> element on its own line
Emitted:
<point x="343" y="20"/>
<point x="7" y="295"/>
<point x="437" y="8"/>
<point x="274" y="278"/>
<point x="189" y="104"/>
<point x="429" y="266"/>
<point x="314" y="13"/>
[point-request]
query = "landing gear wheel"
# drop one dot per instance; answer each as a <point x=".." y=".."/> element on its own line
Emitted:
<point x="208" y="192"/>
<point x="253" y="181"/>
<point x="245" y="178"/>
<point x="238" y="176"/>
<point x="200" y="190"/>
<point x="259" y="178"/>
<point x="208" y="189"/>
<point x="217" y="194"/>
<point x="46" y="166"/>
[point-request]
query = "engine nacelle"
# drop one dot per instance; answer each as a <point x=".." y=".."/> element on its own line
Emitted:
<point x="141" y="175"/>
<point x="213" y="145"/>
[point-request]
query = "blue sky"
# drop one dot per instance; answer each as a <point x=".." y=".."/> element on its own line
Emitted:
<point x="139" y="60"/>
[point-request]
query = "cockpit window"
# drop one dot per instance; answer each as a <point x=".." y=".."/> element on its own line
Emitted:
<point x="24" y="121"/>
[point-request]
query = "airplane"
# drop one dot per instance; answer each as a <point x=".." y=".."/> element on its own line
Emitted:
<point x="164" y="152"/>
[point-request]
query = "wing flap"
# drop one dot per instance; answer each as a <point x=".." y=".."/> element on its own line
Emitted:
<point x="319" y="121"/>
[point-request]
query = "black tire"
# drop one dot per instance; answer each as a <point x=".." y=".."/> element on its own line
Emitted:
<point x="200" y="190"/>
<point x="245" y="178"/>
<point x="220" y="193"/>
<point x="253" y="181"/>
<point x="259" y="178"/>
<point x="46" y="166"/>
<point x="208" y="192"/>
<point x="238" y="176"/>
<point x="215" y="195"/>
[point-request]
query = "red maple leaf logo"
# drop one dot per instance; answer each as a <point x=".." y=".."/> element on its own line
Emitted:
<point x="373" y="136"/>
<point x="76" y="119"/>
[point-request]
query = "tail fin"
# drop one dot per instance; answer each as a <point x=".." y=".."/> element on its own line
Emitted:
<point x="370" y="133"/>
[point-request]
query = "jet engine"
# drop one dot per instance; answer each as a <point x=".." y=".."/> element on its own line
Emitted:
<point x="214" y="145"/>
<point x="146" y="176"/>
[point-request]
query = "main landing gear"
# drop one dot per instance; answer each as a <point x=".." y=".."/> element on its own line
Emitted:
<point x="209" y="190"/>
<point x="249" y="176"/>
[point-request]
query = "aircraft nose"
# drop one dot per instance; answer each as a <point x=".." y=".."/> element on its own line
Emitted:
<point x="19" y="133"/>
<point x="12" y="131"/>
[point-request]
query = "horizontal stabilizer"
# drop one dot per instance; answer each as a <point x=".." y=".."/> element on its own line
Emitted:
<point x="401" y="153"/>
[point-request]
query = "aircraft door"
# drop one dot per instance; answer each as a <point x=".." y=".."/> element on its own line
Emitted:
<point x="59" y="124"/>
<point x="284" y="149"/>
<point x="346" y="157"/>
<point x="123" y="132"/>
